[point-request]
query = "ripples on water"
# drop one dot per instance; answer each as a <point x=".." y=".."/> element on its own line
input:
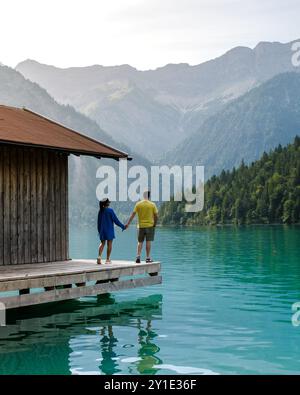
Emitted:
<point x="224" y="307"/>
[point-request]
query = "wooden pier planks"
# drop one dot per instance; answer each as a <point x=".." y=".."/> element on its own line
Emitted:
<point x="56" y="274"/>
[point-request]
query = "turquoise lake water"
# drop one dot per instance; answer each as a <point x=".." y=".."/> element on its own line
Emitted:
<point x="224" y="308"/>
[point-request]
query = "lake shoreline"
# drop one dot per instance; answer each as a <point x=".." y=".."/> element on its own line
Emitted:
<point x="227" y="225"/>
<point x="207" y="226"/>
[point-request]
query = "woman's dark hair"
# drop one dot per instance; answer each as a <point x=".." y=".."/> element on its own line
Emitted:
<point x="103" y="204"/>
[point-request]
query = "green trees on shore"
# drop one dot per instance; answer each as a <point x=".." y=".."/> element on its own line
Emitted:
<point x="266" y="191"/>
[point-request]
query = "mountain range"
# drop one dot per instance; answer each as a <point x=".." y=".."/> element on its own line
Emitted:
<point x="216" y="114"/>
<point x="154" y="111"/>
<point x="256" y="122"/>
<point x="17" y="91"/>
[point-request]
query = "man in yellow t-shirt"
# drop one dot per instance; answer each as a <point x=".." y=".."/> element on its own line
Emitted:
<point x="147" y="218"/>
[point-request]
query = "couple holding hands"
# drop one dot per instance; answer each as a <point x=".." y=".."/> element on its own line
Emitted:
<point x="147" y="219"/>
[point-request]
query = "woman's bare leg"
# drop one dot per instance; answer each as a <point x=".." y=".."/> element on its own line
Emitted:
<point x="109" y="249"/>
<point x="101" y="248"/>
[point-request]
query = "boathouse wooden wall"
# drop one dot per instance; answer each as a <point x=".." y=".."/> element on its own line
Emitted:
<point x="33" y="205"/>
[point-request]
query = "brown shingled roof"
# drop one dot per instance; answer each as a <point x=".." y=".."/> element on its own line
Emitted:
<point x="24" y="127"/>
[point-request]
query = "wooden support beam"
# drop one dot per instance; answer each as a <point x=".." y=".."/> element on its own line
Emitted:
<point x="80" y="284"/>
<point x="74" y="293"/>
<point x="25" y="291"/>
<point x="49" y="288"/>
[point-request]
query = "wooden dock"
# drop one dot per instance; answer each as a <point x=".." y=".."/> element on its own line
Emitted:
<point x="32" y="284"/>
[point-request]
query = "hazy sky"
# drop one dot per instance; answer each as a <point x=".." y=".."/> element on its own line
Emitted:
<point x="143" y="33"/>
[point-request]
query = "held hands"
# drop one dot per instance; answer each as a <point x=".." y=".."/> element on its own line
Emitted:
<point x="129" y="221"/>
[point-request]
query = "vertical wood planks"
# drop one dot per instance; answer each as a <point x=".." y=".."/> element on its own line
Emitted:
<point x="46" y="208"/>
<point x="13" y="205"/>
<point x="52" y="206"/>
<point x="6" y="207"/>
<point x="1" y="207"/>
<point x="67" y="206"/>
<point x="58" y="253"/>
<point x="20" y="200"/>
<point x="33" y="205"/>
<point x="26" y="199"/>
<point x="39" y="195"/>
<point x="63" y="204"/>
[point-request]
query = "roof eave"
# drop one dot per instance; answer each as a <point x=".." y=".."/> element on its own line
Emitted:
<point x="75" y="131"/>
<point x="97" y="155"/>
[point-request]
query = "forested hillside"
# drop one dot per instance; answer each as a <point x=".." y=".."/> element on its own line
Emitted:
<point x="267" y="191"/>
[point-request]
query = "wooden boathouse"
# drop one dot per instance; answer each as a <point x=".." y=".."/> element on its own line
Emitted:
<point x="35" y="266"/>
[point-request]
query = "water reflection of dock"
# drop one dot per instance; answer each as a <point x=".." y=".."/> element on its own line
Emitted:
<point x="46" y="344"/>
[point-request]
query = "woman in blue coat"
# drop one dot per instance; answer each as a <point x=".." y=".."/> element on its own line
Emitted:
<point x="106" y="220"/>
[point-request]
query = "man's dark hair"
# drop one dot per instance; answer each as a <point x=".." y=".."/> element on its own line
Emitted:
<point x="147" y="194"/>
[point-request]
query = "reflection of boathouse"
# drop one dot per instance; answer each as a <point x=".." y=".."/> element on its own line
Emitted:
<point x="34" y="231"/>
